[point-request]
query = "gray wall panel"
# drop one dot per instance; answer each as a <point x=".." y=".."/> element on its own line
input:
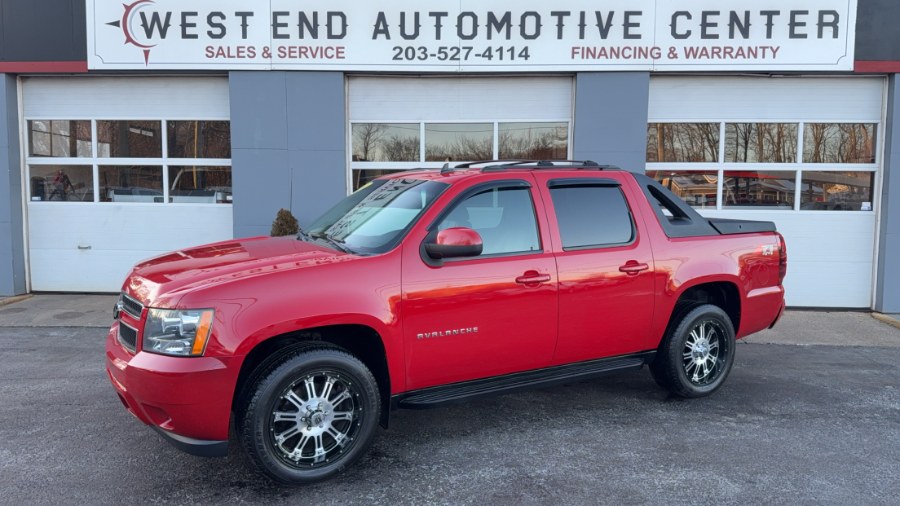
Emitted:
<point x="258" y="110"/>
<point x="261" y="181"/>
<point x="315" y="111"/>
<point x="287" y="140"/>
<point x="611" y="118"/>
<point x="12" y="245"/>
<point x="319" y="181"/>
<point x="887" y="288"/>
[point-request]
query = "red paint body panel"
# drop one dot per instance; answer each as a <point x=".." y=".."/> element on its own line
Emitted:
<point x="439" y="322"/>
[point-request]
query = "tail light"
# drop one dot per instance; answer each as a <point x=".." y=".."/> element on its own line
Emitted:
<point x="782" y="258"/>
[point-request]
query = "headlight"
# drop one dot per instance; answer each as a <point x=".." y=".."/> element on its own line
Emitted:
<point x="179" y="332"/>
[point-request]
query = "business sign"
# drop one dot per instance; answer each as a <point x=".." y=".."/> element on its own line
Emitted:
<point x="472" y="35"/>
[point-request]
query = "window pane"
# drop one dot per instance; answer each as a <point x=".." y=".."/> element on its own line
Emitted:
<point x="131" y="183"/>
<point x="459" y="142"/>
<point x="836" y="191"/>
<point x="682" y="142"/>
<point x="385" y="142"/>
<point x="697" y="188"/>
<point x="839" y="143"/>
<point x="761" y="142"/>
<point x="362" y="177"/>
<point x="64" y="183"/>
<point x="504" y="217"/>
<point x="129" y="139"/>
<point x="200" y="185"/>
<point x="533" y="141"/>
<point x="199" y="139"/>
<point x="60" y="138"/>
<point x="751" y="189"/>
<point x="609" y="222"/>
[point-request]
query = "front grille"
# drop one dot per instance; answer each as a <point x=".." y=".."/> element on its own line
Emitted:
<point x="131" y="306"/>
<point x="128" y="336"/>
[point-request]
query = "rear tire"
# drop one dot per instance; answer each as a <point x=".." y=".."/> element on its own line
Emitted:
<point x="697" y="353"/>
<point x="310" y="416"/>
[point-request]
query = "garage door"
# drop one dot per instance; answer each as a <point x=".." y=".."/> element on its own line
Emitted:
<point x="802" y="152"/>
<point x="402" y="123"/>
<point x="121" y="169"/>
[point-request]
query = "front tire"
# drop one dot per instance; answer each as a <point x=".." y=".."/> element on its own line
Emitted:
<point x="697" y="354"/>
<point x="309" y="417"/>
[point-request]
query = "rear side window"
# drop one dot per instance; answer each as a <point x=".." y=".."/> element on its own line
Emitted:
<point x="592" y="216"/>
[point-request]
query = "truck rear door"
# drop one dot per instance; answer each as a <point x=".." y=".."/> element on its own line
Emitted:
<point x="604" y="263"/>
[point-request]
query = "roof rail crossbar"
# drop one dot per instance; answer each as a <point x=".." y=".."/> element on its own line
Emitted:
<point x="550" y="164"/>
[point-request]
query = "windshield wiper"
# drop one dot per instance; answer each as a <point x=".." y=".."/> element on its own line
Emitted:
<point x="336" y="243"/>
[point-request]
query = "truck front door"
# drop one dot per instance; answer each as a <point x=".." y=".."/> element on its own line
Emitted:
<point x="469" y="318"/>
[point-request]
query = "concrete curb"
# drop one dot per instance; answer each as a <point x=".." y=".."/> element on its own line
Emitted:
<point x="12" y="300"/>
<point x="890" y="320"/>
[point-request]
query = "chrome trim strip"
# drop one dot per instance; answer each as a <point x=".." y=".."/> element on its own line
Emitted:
<point x="129" y="303"/>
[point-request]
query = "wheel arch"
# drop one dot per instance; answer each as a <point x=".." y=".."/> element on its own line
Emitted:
<point x="723" y="293"/>
<point x="362" y="341"/>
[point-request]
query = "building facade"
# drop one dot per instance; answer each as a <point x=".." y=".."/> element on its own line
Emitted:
<point x="129" y="130"/>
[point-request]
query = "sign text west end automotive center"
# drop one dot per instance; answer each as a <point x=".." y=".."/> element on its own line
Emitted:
<point x="472" y="35"/>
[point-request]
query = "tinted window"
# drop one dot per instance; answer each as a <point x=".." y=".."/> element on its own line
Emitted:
<point x="592" y="215"/>
<point x="504" y="217"/>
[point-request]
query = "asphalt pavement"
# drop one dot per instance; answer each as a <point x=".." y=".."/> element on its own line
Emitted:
<point x="795" y="423"/>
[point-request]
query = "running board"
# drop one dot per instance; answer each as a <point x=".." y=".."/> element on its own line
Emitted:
<point x="459" y="392"/>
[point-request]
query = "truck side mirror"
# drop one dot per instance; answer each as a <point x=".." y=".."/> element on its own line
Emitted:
<point x="455" y="242"/>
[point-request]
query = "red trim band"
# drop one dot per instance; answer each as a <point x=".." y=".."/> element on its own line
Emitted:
<point x="889" y="67"/>
<point x="53" y="67"/>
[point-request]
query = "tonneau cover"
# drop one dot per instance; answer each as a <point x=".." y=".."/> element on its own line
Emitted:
<point x="729" y="227"/>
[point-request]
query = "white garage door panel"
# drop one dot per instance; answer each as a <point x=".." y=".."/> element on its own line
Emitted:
<point x="113" y="98"/>
<point x="459" y="99"/>
<point x="825" y="268"/>
<point x="118" y="236"/>
<point x="765" y="99"/>
<point x="75" y="246"/>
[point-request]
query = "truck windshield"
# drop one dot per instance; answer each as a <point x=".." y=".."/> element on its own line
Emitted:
<point x="375" y="218"/>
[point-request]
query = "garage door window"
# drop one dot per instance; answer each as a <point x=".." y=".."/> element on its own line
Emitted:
<point x="792" y="166"/>
<point x="128" y="161"/>
<point x="63" y="138"/>
<point x="384" y="148"/>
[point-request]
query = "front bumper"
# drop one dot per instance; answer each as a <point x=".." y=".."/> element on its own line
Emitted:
<point x="188" y="400"/>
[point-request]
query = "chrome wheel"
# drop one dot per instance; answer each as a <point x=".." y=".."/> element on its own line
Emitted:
<point x="315" y="419"/>
<point x="704" y="351"/>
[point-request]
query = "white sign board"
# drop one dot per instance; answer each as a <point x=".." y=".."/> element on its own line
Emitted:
<point x="472" y="35"/>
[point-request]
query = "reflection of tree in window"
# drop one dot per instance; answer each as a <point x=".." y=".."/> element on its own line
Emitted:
<point x="129" y="139"/>
<point x="761" y="142"/>
<point x="839" y="143"/>
<point x="682" y="142"/>
<point x="199" y="139"/>
<point x="385" y="142"/>
<point x="459" y="142"/>
<point x="533" y="141"/>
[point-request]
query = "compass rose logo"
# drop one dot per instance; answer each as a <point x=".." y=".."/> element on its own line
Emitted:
<point x="127" y="24"/>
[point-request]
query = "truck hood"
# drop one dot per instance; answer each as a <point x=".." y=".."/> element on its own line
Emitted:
<point x="162" y="280"/>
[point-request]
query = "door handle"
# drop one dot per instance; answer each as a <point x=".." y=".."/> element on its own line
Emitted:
<point x="632" y="268"/>
<point x="532" y="278"/>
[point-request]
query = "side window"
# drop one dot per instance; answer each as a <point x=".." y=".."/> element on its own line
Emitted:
<point x="503" y="216"/>
<point x="591" y="215"/>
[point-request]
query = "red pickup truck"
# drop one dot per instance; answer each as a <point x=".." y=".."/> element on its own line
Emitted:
<point x="430" y="287"/>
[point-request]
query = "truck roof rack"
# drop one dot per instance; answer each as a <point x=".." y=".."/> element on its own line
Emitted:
<point x="548" y="164"/>
<point x="500" y="165"/>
